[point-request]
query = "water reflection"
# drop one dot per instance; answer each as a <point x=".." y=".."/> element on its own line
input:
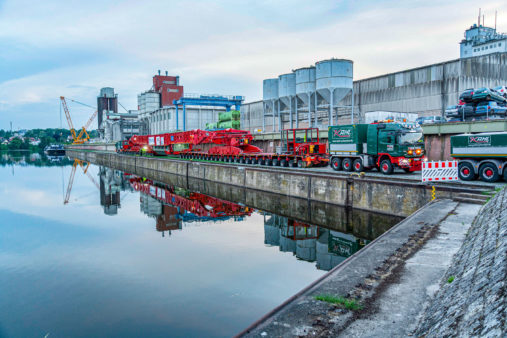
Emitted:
<point x="311" y="243"/>
<point x="174" y="207"/>
<point x="23" y="159"/>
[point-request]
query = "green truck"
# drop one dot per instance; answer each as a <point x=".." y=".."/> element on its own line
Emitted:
<point x="481" y="155"/>
<point x="378" y="145"/>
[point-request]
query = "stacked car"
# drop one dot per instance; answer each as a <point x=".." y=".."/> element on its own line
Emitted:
<point x="479" y="104"/>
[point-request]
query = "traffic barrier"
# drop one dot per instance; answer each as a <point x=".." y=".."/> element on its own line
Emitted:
<point x="439" y="171"/>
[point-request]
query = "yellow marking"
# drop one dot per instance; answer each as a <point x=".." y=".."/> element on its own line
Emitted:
<point x="433" y="193"/>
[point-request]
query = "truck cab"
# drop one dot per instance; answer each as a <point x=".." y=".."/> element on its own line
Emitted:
<point x="384" y="145"/>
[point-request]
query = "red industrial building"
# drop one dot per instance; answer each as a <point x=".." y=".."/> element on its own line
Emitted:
<point x="168" y="87"/>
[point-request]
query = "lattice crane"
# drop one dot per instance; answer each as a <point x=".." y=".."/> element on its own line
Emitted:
<point x="77" y="139"/>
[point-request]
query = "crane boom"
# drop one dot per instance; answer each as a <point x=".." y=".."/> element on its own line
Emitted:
<point x="67" y="115"/>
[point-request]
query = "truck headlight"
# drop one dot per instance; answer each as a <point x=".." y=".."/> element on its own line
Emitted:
<point x="410" y="152"/>
<point x="418" y="151"/>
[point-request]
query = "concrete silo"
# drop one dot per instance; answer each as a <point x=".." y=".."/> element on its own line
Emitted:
<point x="333" y="82"/>
<point x="305" y="91"/>
<point x="270" y="99"/>
<point x="286" y="94"/>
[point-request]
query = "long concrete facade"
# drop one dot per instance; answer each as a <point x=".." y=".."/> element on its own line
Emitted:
<point x="426" y="90"/>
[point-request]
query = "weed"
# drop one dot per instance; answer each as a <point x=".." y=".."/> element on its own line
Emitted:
<point x="450" y="279"/>
<point x="349" y="304"/>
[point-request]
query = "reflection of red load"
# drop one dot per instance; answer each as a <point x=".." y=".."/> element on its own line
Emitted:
<point x="198" y="204"/>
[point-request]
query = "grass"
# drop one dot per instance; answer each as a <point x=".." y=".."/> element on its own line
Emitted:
<point x="450" y="279"/>
<point x="349" y="304"/>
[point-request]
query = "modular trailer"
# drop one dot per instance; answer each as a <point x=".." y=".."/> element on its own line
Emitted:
<point x="481" y="155"/>
<point x="379" y="145"/>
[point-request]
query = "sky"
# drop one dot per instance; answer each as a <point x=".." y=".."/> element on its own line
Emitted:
<point x="72" y="48"/>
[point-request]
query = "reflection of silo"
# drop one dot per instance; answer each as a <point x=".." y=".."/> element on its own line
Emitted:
<point x="287" y="245"/>
<point x="270" y="97"/>
<point x="286" y="93"/>
<point x="305" y="249"/>
<point x="271" y="235"/>
<point x="333" y="81"/>
<point x="305" y="90"/>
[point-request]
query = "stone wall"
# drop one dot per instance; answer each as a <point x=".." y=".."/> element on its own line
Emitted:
<point x="474" y="303"/>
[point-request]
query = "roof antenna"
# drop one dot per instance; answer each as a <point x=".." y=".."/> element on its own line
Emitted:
<point x="495" y="21"/>
<point x="483" y="20"/>
<point x="479" y="18"/>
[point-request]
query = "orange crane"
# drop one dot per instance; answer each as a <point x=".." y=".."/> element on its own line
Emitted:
<point x="77" y="139"/>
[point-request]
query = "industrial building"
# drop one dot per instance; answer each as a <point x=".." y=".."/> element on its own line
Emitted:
<point x="112" y="125"/>
<point x="325" y="94"/>
<point x="165" y="107"/>
<point x="481" y="40"/>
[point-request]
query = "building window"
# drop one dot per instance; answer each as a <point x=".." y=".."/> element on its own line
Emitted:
<point x="499" y="44"/>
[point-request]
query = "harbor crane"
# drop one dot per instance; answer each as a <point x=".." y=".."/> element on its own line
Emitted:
<point x="83" y="136"/>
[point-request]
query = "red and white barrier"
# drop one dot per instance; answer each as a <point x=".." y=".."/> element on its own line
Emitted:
<point x="439" y="171"/>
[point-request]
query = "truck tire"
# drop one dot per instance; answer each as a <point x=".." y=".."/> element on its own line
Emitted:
<point x="261" y="161"/>
<point x="488" y="172"/>
<point x="466" y="171"/>
<point x="302" y="164"/>
<point x="293" y="163"/>
<point x="347" y="164"/>
<point x="358" y="165"/>
<point x="275" y="162"/>
<point x="269" y="162"/>
<point x="283" y="163"/>
<point x="386" y="167"/>
<point x="336" y="163"/>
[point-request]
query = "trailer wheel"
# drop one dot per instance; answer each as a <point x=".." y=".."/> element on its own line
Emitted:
<point x="336" y="163"/>
<point x="283" y="163"/>
<point x="275" y="162"/>
<point x="293" y="164"/>
<point x="261" y="161"/>
<point x="489" y="172"/>
<point x="347" y="164"/>
<point x="358" y="165"/>
<point x="386" y="167"/>
<point x="301" y="164"/>
<point x="269" y="162"/>
<point x="466" y="171"/>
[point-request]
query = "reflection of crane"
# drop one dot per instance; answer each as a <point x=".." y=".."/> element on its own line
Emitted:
<point x="73" y="173"/>
<point x="83" y="134"/>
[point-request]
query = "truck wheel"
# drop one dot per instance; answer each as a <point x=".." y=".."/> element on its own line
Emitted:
<point x="283" y="163"/>
<point x="242" y="160"/>
<point x="336" y="163"/>
<point x="261" y="161"/>
<point x="269" y="162"/>
<point x="358" y="165"/>
<point x="488" y="172"/>
<point x="386" y="167"/>
<point x="466" y="172"/>
<point x="293" y="164"/>
<point x="275" y="162"/>
<point x="302" y="164"/>
<point x="347" y="164"/>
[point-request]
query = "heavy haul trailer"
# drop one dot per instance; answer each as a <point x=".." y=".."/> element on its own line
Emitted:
<point x="380" y="145"/>
<point x="480" y="155"/>
<point x="299" y="147"/>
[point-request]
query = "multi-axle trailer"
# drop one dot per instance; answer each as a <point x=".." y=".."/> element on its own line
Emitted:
<point x="299" y="147"/>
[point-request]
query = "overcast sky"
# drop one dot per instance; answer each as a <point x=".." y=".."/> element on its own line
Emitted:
<point x="74" y="48"/>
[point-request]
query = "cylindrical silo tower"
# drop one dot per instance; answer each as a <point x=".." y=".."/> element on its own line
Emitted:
<point x="305" y="90"/>
<point x="287" y="94"/>
<point x="333" y="81"/>
<point x="270" y="98"/>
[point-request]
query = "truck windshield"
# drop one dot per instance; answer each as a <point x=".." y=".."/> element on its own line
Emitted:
<point x="410" y="137"/>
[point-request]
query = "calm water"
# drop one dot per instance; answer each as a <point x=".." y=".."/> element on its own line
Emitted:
<point x="131" y="257"/>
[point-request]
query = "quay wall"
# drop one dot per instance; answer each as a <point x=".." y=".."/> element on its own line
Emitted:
<point x="382" y="195"/>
